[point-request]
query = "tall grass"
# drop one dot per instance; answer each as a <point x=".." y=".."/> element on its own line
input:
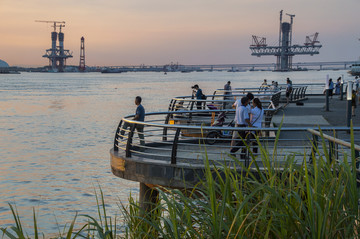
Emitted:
<point x="317" y="200"/>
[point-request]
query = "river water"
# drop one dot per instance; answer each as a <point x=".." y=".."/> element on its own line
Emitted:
<point x="56" y="131"/>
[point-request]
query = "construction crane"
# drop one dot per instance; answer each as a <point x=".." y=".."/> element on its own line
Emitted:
<point x="312" y="39"/>
<point x="82" y="65"/>
<point x="285" y="51"/>
<point x="60" y="24"/>
<point x="57" y="55"/>
<point x="258" y="41"/>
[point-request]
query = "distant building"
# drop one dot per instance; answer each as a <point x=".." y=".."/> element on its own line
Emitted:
<point x="4" y="67"/>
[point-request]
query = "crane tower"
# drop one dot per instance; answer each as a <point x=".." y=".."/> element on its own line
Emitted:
<point x="57" y="55"/>
<point x="285" y="51"/>
<point x="82" y="55"/>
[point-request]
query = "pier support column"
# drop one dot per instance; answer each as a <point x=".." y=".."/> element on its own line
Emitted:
<point x="148" y="197"/>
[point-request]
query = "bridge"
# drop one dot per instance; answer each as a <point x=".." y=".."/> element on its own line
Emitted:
<point x="338" y="65"/>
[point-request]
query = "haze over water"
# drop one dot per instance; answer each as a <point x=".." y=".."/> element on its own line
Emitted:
<point x="56" y="131"/>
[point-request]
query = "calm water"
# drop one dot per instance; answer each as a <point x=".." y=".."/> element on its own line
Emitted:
<point x="56" y="131"/>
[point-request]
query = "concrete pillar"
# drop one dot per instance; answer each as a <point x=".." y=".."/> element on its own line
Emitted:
<point x="148" y="197"/>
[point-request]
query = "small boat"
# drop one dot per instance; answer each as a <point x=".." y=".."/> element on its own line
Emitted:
<point x="112" y="70"/>
<point x="355" y="69"/>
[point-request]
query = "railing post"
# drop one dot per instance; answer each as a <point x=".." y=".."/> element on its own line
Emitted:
<point x="129" y="142"/>
<point x="331" y="150"/>
<point x="357" y="158"/>
<point x="313" y="148"/>
<point x="336" y="147"/>
<point x="171" y="105"/>
<point x="116" y="147"/>
<point x="174" y="146"/>
<point x="167" y="119"/>
<point x="297" y="97"/>
<point x="327" y="100"/>
<point x="341" y="91"/>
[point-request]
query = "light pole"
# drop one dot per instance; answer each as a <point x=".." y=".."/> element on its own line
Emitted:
<point x="342" y="88"/>
<point x="348" y="102"/>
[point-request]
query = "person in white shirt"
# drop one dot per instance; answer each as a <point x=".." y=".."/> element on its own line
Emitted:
<point x="237" y="103"/>
<point x="256" y="113"/>
<point x="242" y="119"/>
<point x="256" y="118"/>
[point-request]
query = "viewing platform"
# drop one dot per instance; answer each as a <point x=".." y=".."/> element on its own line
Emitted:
<point x="178" y="141"/>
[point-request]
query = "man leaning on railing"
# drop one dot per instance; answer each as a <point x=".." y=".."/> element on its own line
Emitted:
<point x="139" y="116"/>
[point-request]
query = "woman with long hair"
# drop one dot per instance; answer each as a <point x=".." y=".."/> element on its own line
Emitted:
<point x="256" y="113"/>
<point x="256" y="118"/>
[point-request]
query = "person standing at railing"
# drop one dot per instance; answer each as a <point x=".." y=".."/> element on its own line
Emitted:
<point x="331" y="88"/>
<point x="256" y="118"/>
<point x="337" y="86"/>
<point x="242" y="119"/>
<point x="357" y="87"/>
<point x="139" y="116"/>
<point x="198" y="95"/>
<point x="353" y="103"/>
<point x="276" y="86"/>
<point x="264" y="86"/>
<point x="288" y="90"/>
<point x="227" y="93"/>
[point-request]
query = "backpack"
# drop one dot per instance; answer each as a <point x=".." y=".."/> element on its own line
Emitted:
<point x="203" y="97"/>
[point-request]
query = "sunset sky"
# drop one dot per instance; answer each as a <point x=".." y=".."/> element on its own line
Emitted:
<point x="134" y="32"/>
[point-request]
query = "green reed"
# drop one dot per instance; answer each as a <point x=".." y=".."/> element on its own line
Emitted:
<point x="318" y="200"/>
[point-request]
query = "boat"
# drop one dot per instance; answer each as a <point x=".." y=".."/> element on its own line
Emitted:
<point x="234" y="69"/>
<point x="355" y="69"/>
<point x="112" y="70"/>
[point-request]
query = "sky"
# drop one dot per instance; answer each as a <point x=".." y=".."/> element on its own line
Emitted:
<point x="157" y="32"/>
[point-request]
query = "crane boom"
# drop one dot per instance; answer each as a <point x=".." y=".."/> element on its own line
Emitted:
<point x="60" y="23"/>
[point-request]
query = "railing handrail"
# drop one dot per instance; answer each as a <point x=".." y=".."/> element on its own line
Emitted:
<point x="210" y="100"/>
<point x="175" y="126"/>
<point x="334" y="140"/>
<point x="194" y="133"/>
<point x="211" y="95"/>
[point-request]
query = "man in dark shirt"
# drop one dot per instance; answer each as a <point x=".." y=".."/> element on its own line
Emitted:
<point x="139" y="116"/>
<point x="227" y="94"/>
<point x="198" y="96"/>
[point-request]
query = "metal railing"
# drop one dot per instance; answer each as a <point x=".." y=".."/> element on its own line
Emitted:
<point x="189" y="143"/>
<point x="298" y="92"/>
<point x="335" y="145"/>
<point x="220" y="102"/>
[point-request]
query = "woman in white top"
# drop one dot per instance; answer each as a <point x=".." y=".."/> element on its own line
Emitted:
<point x="256" y="113"/>
<point x="256" y="118"/>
